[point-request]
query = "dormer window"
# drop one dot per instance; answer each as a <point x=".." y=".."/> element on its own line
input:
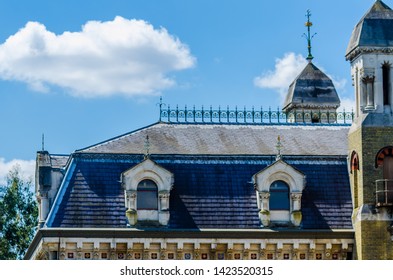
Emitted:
<point x="279" y="190"/>
<point x="147" y="189"/>
<point x="147" y="195"/>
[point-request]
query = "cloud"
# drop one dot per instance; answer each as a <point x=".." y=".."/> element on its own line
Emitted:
<point x="119" y="57"/>
<point x="285" y="71"/>
<point x="27" y="169"/>
<point x="347" y="104"/>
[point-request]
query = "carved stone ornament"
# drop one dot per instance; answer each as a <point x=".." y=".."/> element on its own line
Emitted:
<point x="264" y="216"/>
<point x="296" y="218"/>
<point x="132" y="217"/>
<point x="264" y="195"/>
<point x="366" y="50"/>
<point x="368" y="79"/>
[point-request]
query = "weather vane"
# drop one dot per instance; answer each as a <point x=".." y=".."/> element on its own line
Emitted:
<point x="308" y="36"/>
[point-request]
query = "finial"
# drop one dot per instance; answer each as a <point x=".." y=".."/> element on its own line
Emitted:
<point x="278" y="147"/>
<point x="147" y="147"/>
<point x="308" y="35"/>
<point x="160" y="104"/>
<point x="43" y="142"/>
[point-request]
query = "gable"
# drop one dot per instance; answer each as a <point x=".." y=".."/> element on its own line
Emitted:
<point x="279" y="170"/>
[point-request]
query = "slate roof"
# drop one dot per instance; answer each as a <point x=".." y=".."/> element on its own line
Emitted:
<point x="311" y="89"/>
<point x="227" y="139"/>
<point x="209" y="192"/>
<point x="59" y="161"/>
<point x="374" y="29"/>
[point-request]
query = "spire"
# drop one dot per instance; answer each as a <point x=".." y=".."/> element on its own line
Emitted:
<point x="308" y="36"/>
<point x="43" y="142"/>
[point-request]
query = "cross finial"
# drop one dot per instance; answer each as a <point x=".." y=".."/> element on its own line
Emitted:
<point x="279" y="147"/>
<point x="308" y="36"/>
<point x="147" y="147"/>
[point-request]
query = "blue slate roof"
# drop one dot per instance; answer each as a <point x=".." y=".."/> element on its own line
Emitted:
<point x="209" y="191"/>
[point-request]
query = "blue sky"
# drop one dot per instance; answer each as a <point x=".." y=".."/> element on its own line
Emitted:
<point x="81" y="72"/>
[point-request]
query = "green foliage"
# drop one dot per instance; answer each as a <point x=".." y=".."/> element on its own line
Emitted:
<point x="18" y="216"/>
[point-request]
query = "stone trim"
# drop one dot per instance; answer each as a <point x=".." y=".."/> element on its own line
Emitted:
<point x="186" y="248"/>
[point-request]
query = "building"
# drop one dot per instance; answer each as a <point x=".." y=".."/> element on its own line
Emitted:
<point x="307" y="182"/>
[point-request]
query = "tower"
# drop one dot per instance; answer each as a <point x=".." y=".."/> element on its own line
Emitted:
<point x="370" y="139"/>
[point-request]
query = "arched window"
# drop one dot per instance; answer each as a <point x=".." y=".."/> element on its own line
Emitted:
<point x="383" y="159"/>
<point x="354" y="171"/>
<point x="147" y="195"/>
<point x="279" y="196"/>
<point x="384" y="190"/>
<point x="354" y="161"/>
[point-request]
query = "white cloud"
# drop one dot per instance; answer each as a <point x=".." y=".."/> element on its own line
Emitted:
<point x="347" y="104"/>
<point x="285" y="72"/>
<point x="125" y="57"/>
<point x="27" y="169"/>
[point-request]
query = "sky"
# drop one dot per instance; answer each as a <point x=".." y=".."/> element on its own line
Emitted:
<point x="80" y="72"/>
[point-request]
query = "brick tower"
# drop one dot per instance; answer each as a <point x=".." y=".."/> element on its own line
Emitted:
<point x="370" y="52"/>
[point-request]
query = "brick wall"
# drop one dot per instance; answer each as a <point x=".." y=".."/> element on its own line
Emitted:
<point x="372" y="237"/>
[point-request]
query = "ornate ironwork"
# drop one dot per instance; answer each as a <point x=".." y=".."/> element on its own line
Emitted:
<point x="253" y="116"/>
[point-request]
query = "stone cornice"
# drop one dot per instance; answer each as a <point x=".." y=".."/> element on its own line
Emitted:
<point x="187" y="234"/>
<point x="366" y="50"/>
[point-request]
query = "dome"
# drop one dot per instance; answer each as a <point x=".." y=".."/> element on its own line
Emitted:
<point x="312" y="89"/>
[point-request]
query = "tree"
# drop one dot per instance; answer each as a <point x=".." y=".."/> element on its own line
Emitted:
<point x="18" y="216"/>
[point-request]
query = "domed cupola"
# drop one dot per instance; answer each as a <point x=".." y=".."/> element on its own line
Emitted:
<point x="312" y="90"/>
<point x="312" y="96"/>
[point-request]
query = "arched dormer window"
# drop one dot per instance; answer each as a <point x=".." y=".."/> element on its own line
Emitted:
<point x="147" y="188"/>
<point x="147" y="195"/>
<point x="279" y="190"/>
<point x="279" y="196"/>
